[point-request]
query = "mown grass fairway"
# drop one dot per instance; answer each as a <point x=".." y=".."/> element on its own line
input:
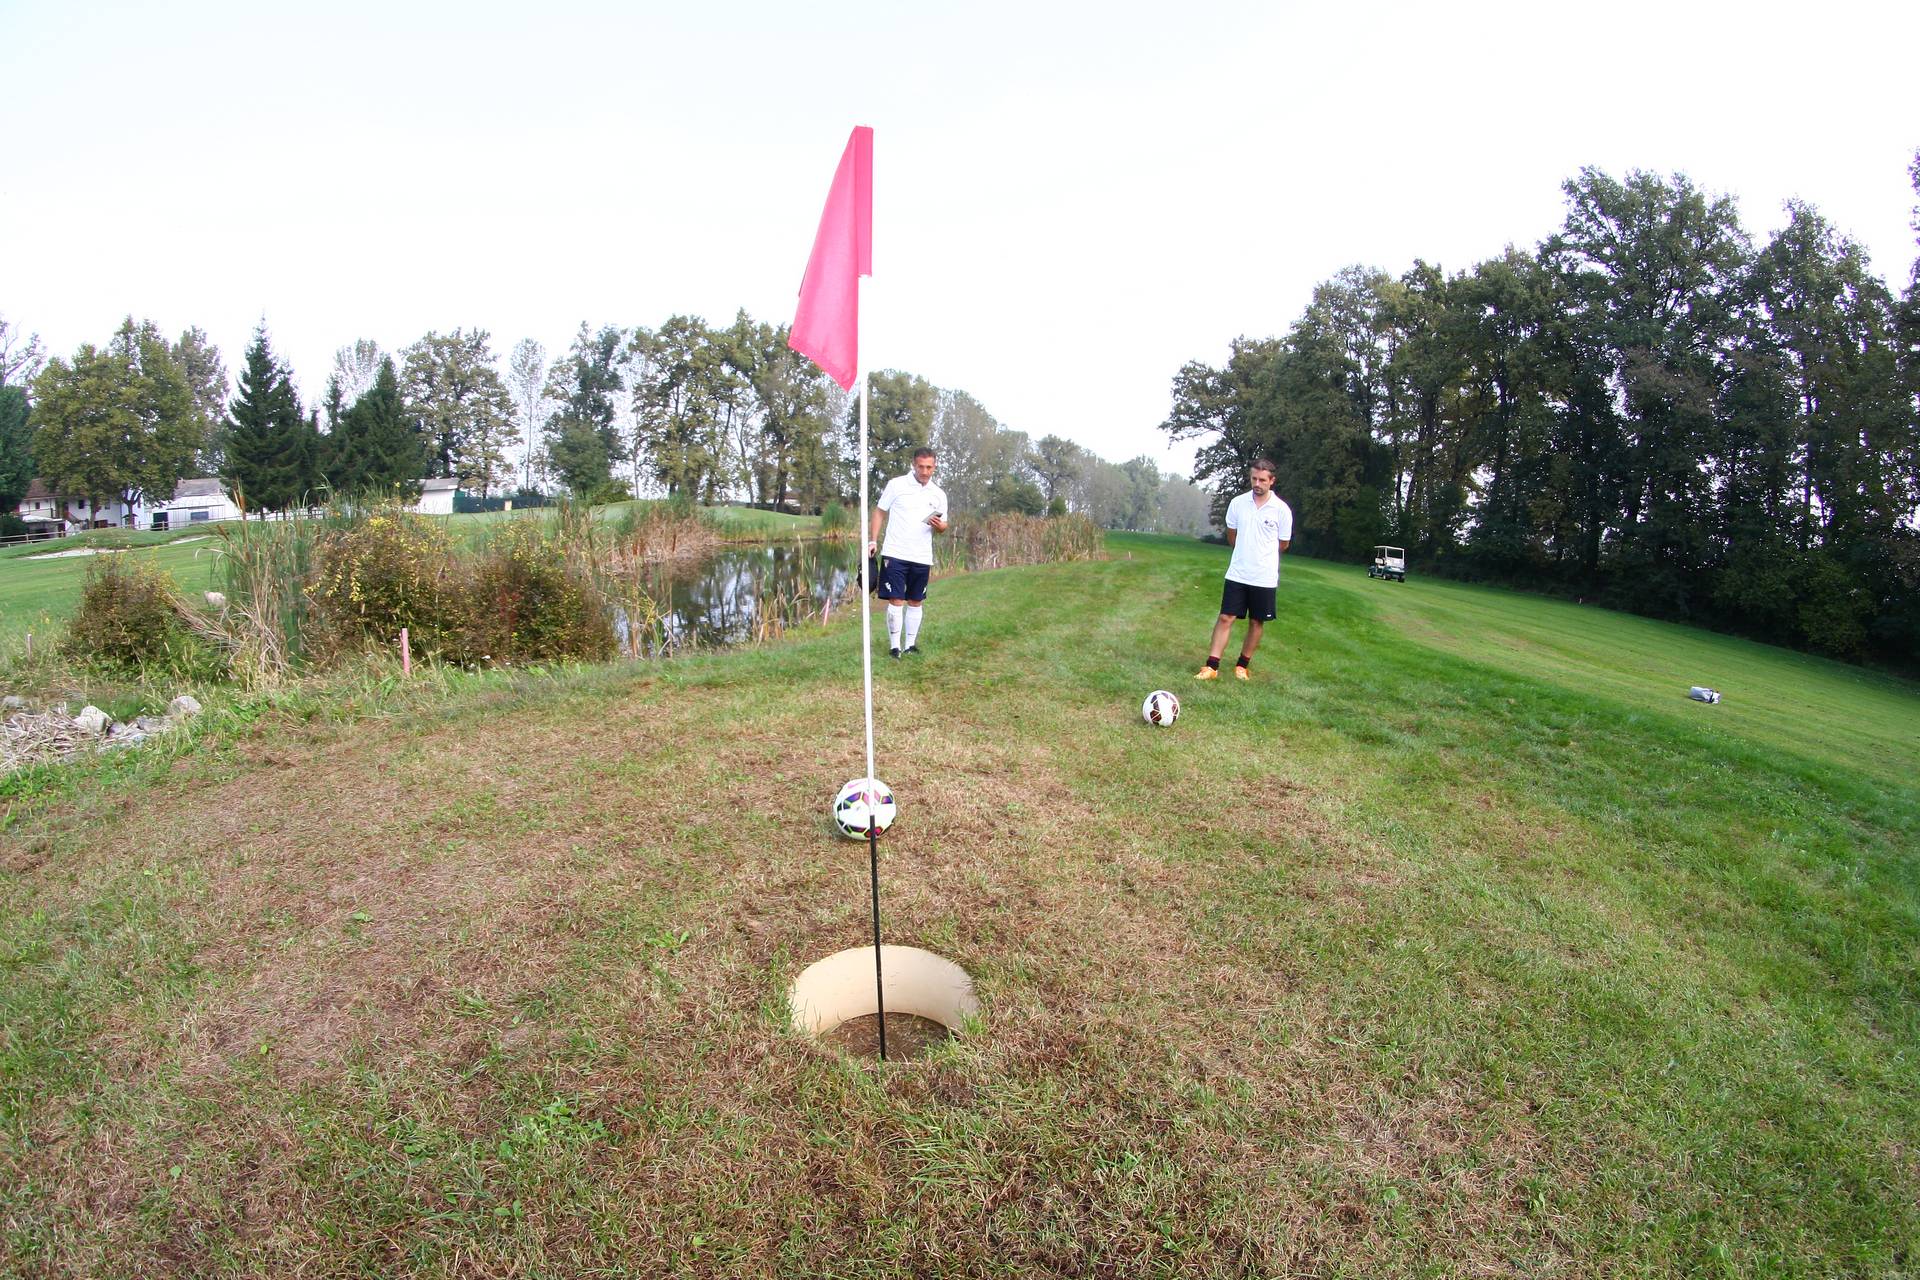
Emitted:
<point x="1459" y="943"/>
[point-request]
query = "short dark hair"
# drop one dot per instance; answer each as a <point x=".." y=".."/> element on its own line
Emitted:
<point x="923" y="452"/>
<point x="1264" y="464"/>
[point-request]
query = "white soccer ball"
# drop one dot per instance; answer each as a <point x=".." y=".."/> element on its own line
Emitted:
<point x="863" y="802"/>
<point x="1160" y="708"/>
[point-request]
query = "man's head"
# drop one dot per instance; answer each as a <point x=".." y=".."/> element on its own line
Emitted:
<point x="923" y="464"/>
<point x="1260" y="476"/>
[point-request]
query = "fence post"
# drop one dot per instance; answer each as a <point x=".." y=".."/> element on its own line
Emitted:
<point x="406" y="654"/>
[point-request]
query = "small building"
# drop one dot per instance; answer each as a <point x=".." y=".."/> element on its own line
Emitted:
<point x="436" y="497"/>
<point x="193" y="502"/>
<point x="42" y="506"/>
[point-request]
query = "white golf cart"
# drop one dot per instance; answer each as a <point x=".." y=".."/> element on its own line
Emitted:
<point x="1389" y="562"/>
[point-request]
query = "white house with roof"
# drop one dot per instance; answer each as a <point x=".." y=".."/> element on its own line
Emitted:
<point x="193" y="502"/>
<point x="42" y="506"/>
<point x="436" y="497"/>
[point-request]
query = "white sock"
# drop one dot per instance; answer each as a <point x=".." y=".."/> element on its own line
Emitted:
<point x="913" y="625"/>
<point x="893" y="625"/>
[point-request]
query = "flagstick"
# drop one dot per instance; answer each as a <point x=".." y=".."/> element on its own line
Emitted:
<point x="866" y="667"/>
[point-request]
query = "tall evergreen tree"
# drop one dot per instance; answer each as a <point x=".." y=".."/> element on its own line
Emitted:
<point x="269" y="462"/>
<point x="377" y="450"/>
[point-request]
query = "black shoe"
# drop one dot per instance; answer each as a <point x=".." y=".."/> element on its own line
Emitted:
<point x="912" y="648"/>
<point x="893" y="653"/>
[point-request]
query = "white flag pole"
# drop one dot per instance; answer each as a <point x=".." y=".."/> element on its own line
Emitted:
<point x="866" y="561"/>
<point x="866" y="670"/>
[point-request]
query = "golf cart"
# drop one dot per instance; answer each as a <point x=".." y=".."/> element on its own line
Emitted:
<point x="1388" y="562"/>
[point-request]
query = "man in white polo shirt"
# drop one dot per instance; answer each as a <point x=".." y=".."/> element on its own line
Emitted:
<point x="1259" y="527"/>
<point x="913" y="508"/>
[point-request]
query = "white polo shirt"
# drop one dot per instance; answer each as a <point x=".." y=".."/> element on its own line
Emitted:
<point x="908" y="503"/>
<point x="1259" y="532"/>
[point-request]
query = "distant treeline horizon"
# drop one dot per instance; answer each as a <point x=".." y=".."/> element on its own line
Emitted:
<point x="1647" y="410"/>
<point x="713" y="413"/>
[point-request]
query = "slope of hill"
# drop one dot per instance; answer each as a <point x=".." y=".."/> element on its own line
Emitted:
<point x="1458" y="942"/>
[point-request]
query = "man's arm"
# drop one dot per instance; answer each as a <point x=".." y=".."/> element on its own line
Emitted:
<point x="1285" y="543"/>
<point x="873" y="533"/>
<point x="1232" y="535"/>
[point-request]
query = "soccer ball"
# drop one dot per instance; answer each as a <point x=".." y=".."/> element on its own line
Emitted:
<point x="863" y="801"/>
<point x="1160" y="708"/>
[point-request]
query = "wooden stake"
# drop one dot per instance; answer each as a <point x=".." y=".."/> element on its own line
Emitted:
<point x="406" y="655"/>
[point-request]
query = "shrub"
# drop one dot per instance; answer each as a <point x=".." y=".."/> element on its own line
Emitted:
<point x="610" y="491"/>
<point x="835" y="520"/>
<point x="391" y="569"/>
<point x="528" y="605"/>
<point x="128" y="618"/>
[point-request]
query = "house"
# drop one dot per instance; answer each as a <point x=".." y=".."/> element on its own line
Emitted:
<point x="193" y="502"/>
<point x="42" y="505"/>
<point x="436" y="497"/>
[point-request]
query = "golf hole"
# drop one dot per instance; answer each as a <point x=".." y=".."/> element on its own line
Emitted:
<point x="928" y="999"/>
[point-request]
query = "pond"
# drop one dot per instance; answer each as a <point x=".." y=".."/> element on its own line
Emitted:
<point x="738" y="593"/>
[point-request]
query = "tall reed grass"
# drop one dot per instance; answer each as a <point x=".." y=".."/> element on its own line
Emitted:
<point x="1001" y="541"/>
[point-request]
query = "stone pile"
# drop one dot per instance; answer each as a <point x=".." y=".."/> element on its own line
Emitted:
<point x="29" y="737"/>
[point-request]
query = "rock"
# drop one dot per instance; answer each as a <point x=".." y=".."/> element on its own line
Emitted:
<point x="13" y="702"/>
<point x="216" y="600"/>
<point x="150" y="724"/>
<point x="184" y="705"/>
<point x="93" y="720"/>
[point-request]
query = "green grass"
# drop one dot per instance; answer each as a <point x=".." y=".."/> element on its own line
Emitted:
<point x="1459" y="942"/>
<point x="38" y="591"/>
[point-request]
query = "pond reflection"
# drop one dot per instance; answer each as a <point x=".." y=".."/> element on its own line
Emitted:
<point x="738" y="593"/>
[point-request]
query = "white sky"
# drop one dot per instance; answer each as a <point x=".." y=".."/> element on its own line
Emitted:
<point x="1071" y="200"/>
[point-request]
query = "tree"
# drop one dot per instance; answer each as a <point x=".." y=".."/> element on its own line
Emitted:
<point x="355" y="367"/>
<point x="377" y="449"/>
<point x="20" y="358"/>
<point x="1056" y="461"/>
<point x="583" y="386"/>
<point x="900" y="412"/>
<point x="16" y="448"/>
<point x="1183" y="507"/>
<point x="118" y="423"/>
<point x="270" y="462"/>
<point x="687" y="392"/>
<point x="1650" y="267"/>
<point x="466" y="416"/>
<point x="526" y="382"/>
<point x="206" y="376"/>
<point x="786" y="453"/>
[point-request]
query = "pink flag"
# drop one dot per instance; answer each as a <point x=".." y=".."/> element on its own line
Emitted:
<point x="826" y="328"/>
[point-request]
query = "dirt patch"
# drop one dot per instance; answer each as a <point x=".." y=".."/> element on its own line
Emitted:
<point x="908" y="1036"/>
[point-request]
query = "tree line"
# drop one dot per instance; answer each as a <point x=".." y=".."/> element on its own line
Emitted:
<point x="688" y="408"/>
<point x="1647" y="409"/>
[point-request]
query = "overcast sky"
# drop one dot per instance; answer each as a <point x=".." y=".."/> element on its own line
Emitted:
<point x="1070" y="200"/>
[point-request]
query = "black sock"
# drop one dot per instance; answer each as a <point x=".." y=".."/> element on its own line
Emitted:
<point x="1242" y="662"/>
<point x="1214" y="663"/>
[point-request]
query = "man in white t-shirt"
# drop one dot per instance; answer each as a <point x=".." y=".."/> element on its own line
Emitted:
<point x="913" y="508"/>
<point x="1259" y="527"/>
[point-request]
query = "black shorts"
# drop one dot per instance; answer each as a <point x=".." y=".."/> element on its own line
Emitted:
<point x="1239" y="600"/>
<point x="904" y="580"/>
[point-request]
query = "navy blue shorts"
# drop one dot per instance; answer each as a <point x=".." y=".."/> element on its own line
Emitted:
<point x="1240" y="600"/>
<point x="904" y="580"/>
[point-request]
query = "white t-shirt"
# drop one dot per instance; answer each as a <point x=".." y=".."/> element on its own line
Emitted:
<point x="1256" y="545"/>
<point x="908" y="503"/>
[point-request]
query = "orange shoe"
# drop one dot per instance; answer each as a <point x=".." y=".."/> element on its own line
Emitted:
<point x="1207" y="673"/>
<point x="1240" y="673"/>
